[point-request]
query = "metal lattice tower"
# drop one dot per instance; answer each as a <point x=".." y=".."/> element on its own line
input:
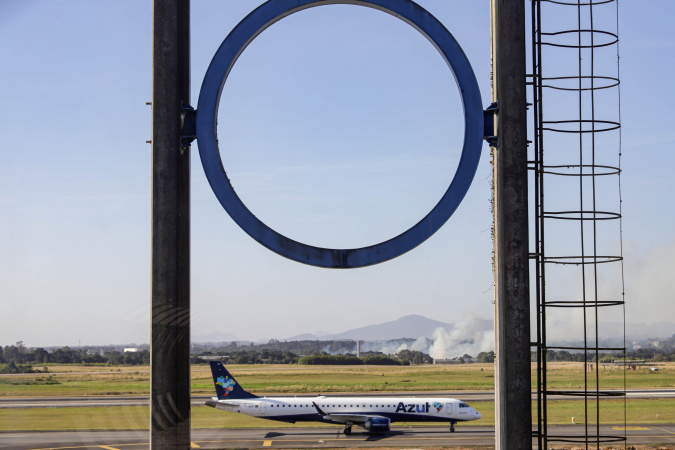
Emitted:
<point x="576" y="170"/>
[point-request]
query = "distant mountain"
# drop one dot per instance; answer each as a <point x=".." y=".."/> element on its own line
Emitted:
<point x="636" y="330"/>
<point x="412" y="326"/>
<point x="415" y="326"/>
<point x="662" y="329"/>
<point x="315" y="336"/>
<point x="304" y="337"/>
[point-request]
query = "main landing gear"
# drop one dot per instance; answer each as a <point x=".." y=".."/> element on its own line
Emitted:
<point x="452" y="427"/>
<point x="348" y="430"/>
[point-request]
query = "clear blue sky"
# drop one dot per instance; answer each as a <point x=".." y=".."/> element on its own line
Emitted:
<point x="340" y="126"/>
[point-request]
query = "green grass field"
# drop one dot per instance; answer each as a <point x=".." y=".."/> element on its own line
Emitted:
<point x="639" y="411"/>
<point x="266" y="380"/>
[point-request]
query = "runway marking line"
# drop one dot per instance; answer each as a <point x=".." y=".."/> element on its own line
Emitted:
<point x="193" y="445"/>
<point x="56" y="448"/>
<point x="631" y="428"/>
<point x="338" y="439"/>
<point x="267" y="443"/>
<point x="294" y="440"/>
<point x="661" y="429"/>
<point x="94" y="445"/>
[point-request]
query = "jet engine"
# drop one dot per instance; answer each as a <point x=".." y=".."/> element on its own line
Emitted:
<point x="377" y="424"/>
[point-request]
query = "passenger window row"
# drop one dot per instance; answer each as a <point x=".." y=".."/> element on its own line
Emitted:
<point x="340" y="406"/>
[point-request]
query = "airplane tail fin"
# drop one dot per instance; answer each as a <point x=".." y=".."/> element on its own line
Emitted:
<point x="226" y="386"/>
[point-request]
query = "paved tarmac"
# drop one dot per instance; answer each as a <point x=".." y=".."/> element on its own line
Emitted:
<point x="299" y="437"/>
<point x="122" y="400"/>
<point x="326" y="437"/>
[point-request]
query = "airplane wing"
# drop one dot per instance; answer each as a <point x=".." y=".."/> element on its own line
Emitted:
<point x="345" y="418"/>
<point x="353" y="418"/>
<point x="221" y="404"/>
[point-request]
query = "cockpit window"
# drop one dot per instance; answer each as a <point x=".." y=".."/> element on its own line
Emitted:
<point x="463" y="405"/>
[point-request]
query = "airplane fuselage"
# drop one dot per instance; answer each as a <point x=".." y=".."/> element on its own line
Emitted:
<point x="375" y="414"/>
<point x="397" y="409"/>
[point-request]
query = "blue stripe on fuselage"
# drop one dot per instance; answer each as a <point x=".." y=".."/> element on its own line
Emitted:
<point x="393" y="417"/>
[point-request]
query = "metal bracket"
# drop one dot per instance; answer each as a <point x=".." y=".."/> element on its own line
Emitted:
<point x="188" y="125"/>
<point x="489" y="128"/>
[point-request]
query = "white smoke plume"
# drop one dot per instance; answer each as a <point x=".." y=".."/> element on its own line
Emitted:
<point x="421" y="344"/>
<point x="470" y="336"/>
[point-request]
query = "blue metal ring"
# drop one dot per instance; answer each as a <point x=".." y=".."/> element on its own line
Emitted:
<point x="209" y="97"/>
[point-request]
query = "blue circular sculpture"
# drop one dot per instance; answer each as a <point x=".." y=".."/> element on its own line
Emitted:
<point x="209" y="97"/>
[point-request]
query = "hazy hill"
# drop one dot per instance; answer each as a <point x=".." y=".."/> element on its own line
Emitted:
<point x="314" y="336"/>
<point x="634" y="330"/>
<point x="416" y="326"/>
<point x="412" y="326"/>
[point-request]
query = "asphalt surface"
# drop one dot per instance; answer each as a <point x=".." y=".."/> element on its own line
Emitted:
<point x="316" y="438"/>
<point x="84" y="401"/>
<point x="300" y="437"/>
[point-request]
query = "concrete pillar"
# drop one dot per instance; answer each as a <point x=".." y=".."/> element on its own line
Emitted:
<point x="170" y="341"/>
<point x="511" y="246"/>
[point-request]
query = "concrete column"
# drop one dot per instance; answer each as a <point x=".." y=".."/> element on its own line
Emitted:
<point x="170" y="342"/>
<point x="511" y="246"/>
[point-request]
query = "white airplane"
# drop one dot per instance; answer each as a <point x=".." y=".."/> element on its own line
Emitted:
<point x="375" y="414"/>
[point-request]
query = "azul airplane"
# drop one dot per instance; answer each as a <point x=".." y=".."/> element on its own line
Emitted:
<point x="375" y="414"/>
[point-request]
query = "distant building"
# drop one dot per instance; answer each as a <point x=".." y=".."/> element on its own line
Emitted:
<point x="447" y="361"/>
<point x="130" y="350"/>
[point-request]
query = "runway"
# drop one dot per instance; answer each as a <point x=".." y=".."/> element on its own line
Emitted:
<point x="122" y="400"/>
<point x="324" y="437"/>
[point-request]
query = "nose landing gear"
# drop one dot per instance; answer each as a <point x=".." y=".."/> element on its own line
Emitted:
<point x="452" y="426"/>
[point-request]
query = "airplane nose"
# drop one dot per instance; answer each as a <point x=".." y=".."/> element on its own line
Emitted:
<point x="478" y="415"/>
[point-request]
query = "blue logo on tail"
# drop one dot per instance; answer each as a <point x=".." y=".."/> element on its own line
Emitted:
<point x="226" y="383"/>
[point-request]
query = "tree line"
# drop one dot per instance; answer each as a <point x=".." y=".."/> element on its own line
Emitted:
<point x="303" y="347"/>
<point x="642" y="354"/>
<point x="19" y="359"/>
<point x="267" y="356"/>
<point x="352" y="360"/>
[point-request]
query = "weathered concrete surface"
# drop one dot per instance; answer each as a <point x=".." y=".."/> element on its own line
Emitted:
<point x="512" y="306"/>
<point x="170" y="345"/>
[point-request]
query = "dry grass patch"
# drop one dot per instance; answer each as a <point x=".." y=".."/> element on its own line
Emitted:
<point x="290" y="379"/>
